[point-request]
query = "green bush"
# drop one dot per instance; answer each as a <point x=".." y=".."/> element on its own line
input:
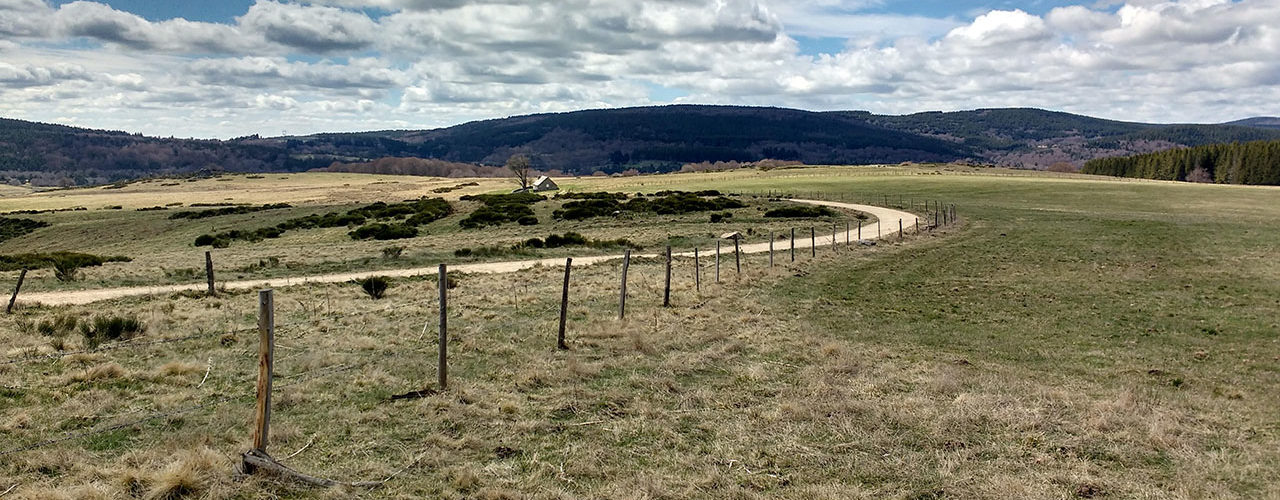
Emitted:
<point x="415" y="213"/>
<point x="392" y="252"/>
<point x="721" y="217"/>
<point x="375" y="286"/>
<point x="12" y="228"/>
<point x="499" y="209"/>
<point x="382" y="232"/>
<point x="110" y="328"/>
<point x="665" y="204"/>
<point x="234" y="210"/>
<point x="800" y="211"/>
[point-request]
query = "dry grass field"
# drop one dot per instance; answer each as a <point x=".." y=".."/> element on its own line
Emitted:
<point x="1072" y="337"/>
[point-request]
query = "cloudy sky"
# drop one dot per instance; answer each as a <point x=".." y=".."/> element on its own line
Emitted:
<point x="239" y="67"/>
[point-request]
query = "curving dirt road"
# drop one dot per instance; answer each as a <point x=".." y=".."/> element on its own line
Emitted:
<point x="888" y="216"/>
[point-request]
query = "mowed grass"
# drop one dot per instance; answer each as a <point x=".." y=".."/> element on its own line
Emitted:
<point x="1072" y="338"/>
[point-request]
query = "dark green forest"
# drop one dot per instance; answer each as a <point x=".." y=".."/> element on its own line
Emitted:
<point x="642" y="139"/>
<point x="1256" y="163"/>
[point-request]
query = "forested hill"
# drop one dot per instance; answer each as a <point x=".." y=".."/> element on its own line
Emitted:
<point x="57" y="155"/>
<point x="647" y="139"/>
<point x="1236" y="163"/>
<point x="653" y="139"/>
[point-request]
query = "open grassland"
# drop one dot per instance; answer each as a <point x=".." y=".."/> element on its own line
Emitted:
<point x="1071" y="338"/>
<point x="162" y="250"/>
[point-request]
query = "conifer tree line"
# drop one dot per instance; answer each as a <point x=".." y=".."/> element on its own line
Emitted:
<point x="1234" y="163"/>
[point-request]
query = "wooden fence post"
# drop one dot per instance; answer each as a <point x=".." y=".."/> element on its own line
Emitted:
<point x="834" y="247"/>
<point x="697" y="271"/>
<point x="771" y="238"/>
<point x="793" y="244"/>
<point x="266" y="360"/>
<point x="208" y="271"/>
<point x="666" y="292"/>
<point x="846" y="234"/>
<point x="900" y="234"/>
<point x="737" y="260"/>
<point x="22" y="276"/>
<point x="859" y="230"/>
<point x="813" y="241"/>
<point x="564" y="304"/>
<point x="717" y="261"/>
<point x="622" y="293"/>
<point x="442" y="364"/>
<point x="917" y="225"/>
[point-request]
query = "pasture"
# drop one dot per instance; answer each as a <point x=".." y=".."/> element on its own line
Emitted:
<point x="1071" y="337"/>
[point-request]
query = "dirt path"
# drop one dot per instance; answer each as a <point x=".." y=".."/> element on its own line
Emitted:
<point x="886" y="215"/>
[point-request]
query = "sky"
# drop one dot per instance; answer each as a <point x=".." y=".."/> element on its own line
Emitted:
<point x="220" y="69"/>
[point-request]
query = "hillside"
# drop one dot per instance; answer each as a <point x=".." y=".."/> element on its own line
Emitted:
<point x="645" y="139"/>
<point x="649" y="139"/>
<point x="57" y="155"/>
<point x="1260" y="121"/>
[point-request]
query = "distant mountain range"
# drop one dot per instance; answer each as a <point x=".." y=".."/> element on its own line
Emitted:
<point x="647" y="139"/>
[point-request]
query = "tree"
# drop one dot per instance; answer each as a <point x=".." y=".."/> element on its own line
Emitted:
<point x="520" y="168"/>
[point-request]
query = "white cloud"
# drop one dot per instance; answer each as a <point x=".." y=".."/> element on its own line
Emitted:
<point x="431" y="63"/>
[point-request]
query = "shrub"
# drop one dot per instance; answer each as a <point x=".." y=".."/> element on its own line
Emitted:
<point x="721" y="217"/>
<point x="462" y="252"/>
<point x="499" y="209"/>
<point x="205" y="240"/>
<point x="392" y="252"/>
<point x="804" y="211"/>
<point x="382" y="232"/>
<point x="534" y="243"/>
<point x="110" y="328"/>
<point x="569" y="239"/>
<point x="58" y="326"/>
<point x="13" y="228"/>
<point x="375" y="286"/>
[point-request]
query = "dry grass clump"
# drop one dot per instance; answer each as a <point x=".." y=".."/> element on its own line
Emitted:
<point x="104" y="371"/>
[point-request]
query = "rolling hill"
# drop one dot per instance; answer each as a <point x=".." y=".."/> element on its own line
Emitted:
<point x="647" y="139"/>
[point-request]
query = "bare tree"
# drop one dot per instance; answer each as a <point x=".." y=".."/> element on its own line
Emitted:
<point x="519" y="166"/>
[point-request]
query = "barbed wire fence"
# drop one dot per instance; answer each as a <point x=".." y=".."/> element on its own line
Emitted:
<point x="256" y="459"/>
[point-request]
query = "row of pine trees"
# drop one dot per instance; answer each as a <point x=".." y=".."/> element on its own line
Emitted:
<point x="1233" y="163"/>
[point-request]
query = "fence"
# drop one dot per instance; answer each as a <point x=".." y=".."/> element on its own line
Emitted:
<point x="258" y="460"/>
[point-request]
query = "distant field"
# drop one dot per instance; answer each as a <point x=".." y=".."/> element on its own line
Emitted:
<point x="1072" y="337"/>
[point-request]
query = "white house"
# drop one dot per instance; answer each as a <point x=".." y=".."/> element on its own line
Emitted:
<point x="544" y="183"/>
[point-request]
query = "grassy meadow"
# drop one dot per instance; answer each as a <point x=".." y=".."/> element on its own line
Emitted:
<point x="1071" y="337"/>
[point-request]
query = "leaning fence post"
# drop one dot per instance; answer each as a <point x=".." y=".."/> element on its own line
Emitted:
<point x="564" y="304"/>
<point x="622" y="293"/>
<point x="442" y="364"/>
<point x="208" y="271"/>
<point x="834" y="247"/>
<point x="666" y="290"/>
<point x="21" y="277"/>
<point x="266" y="355"/>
